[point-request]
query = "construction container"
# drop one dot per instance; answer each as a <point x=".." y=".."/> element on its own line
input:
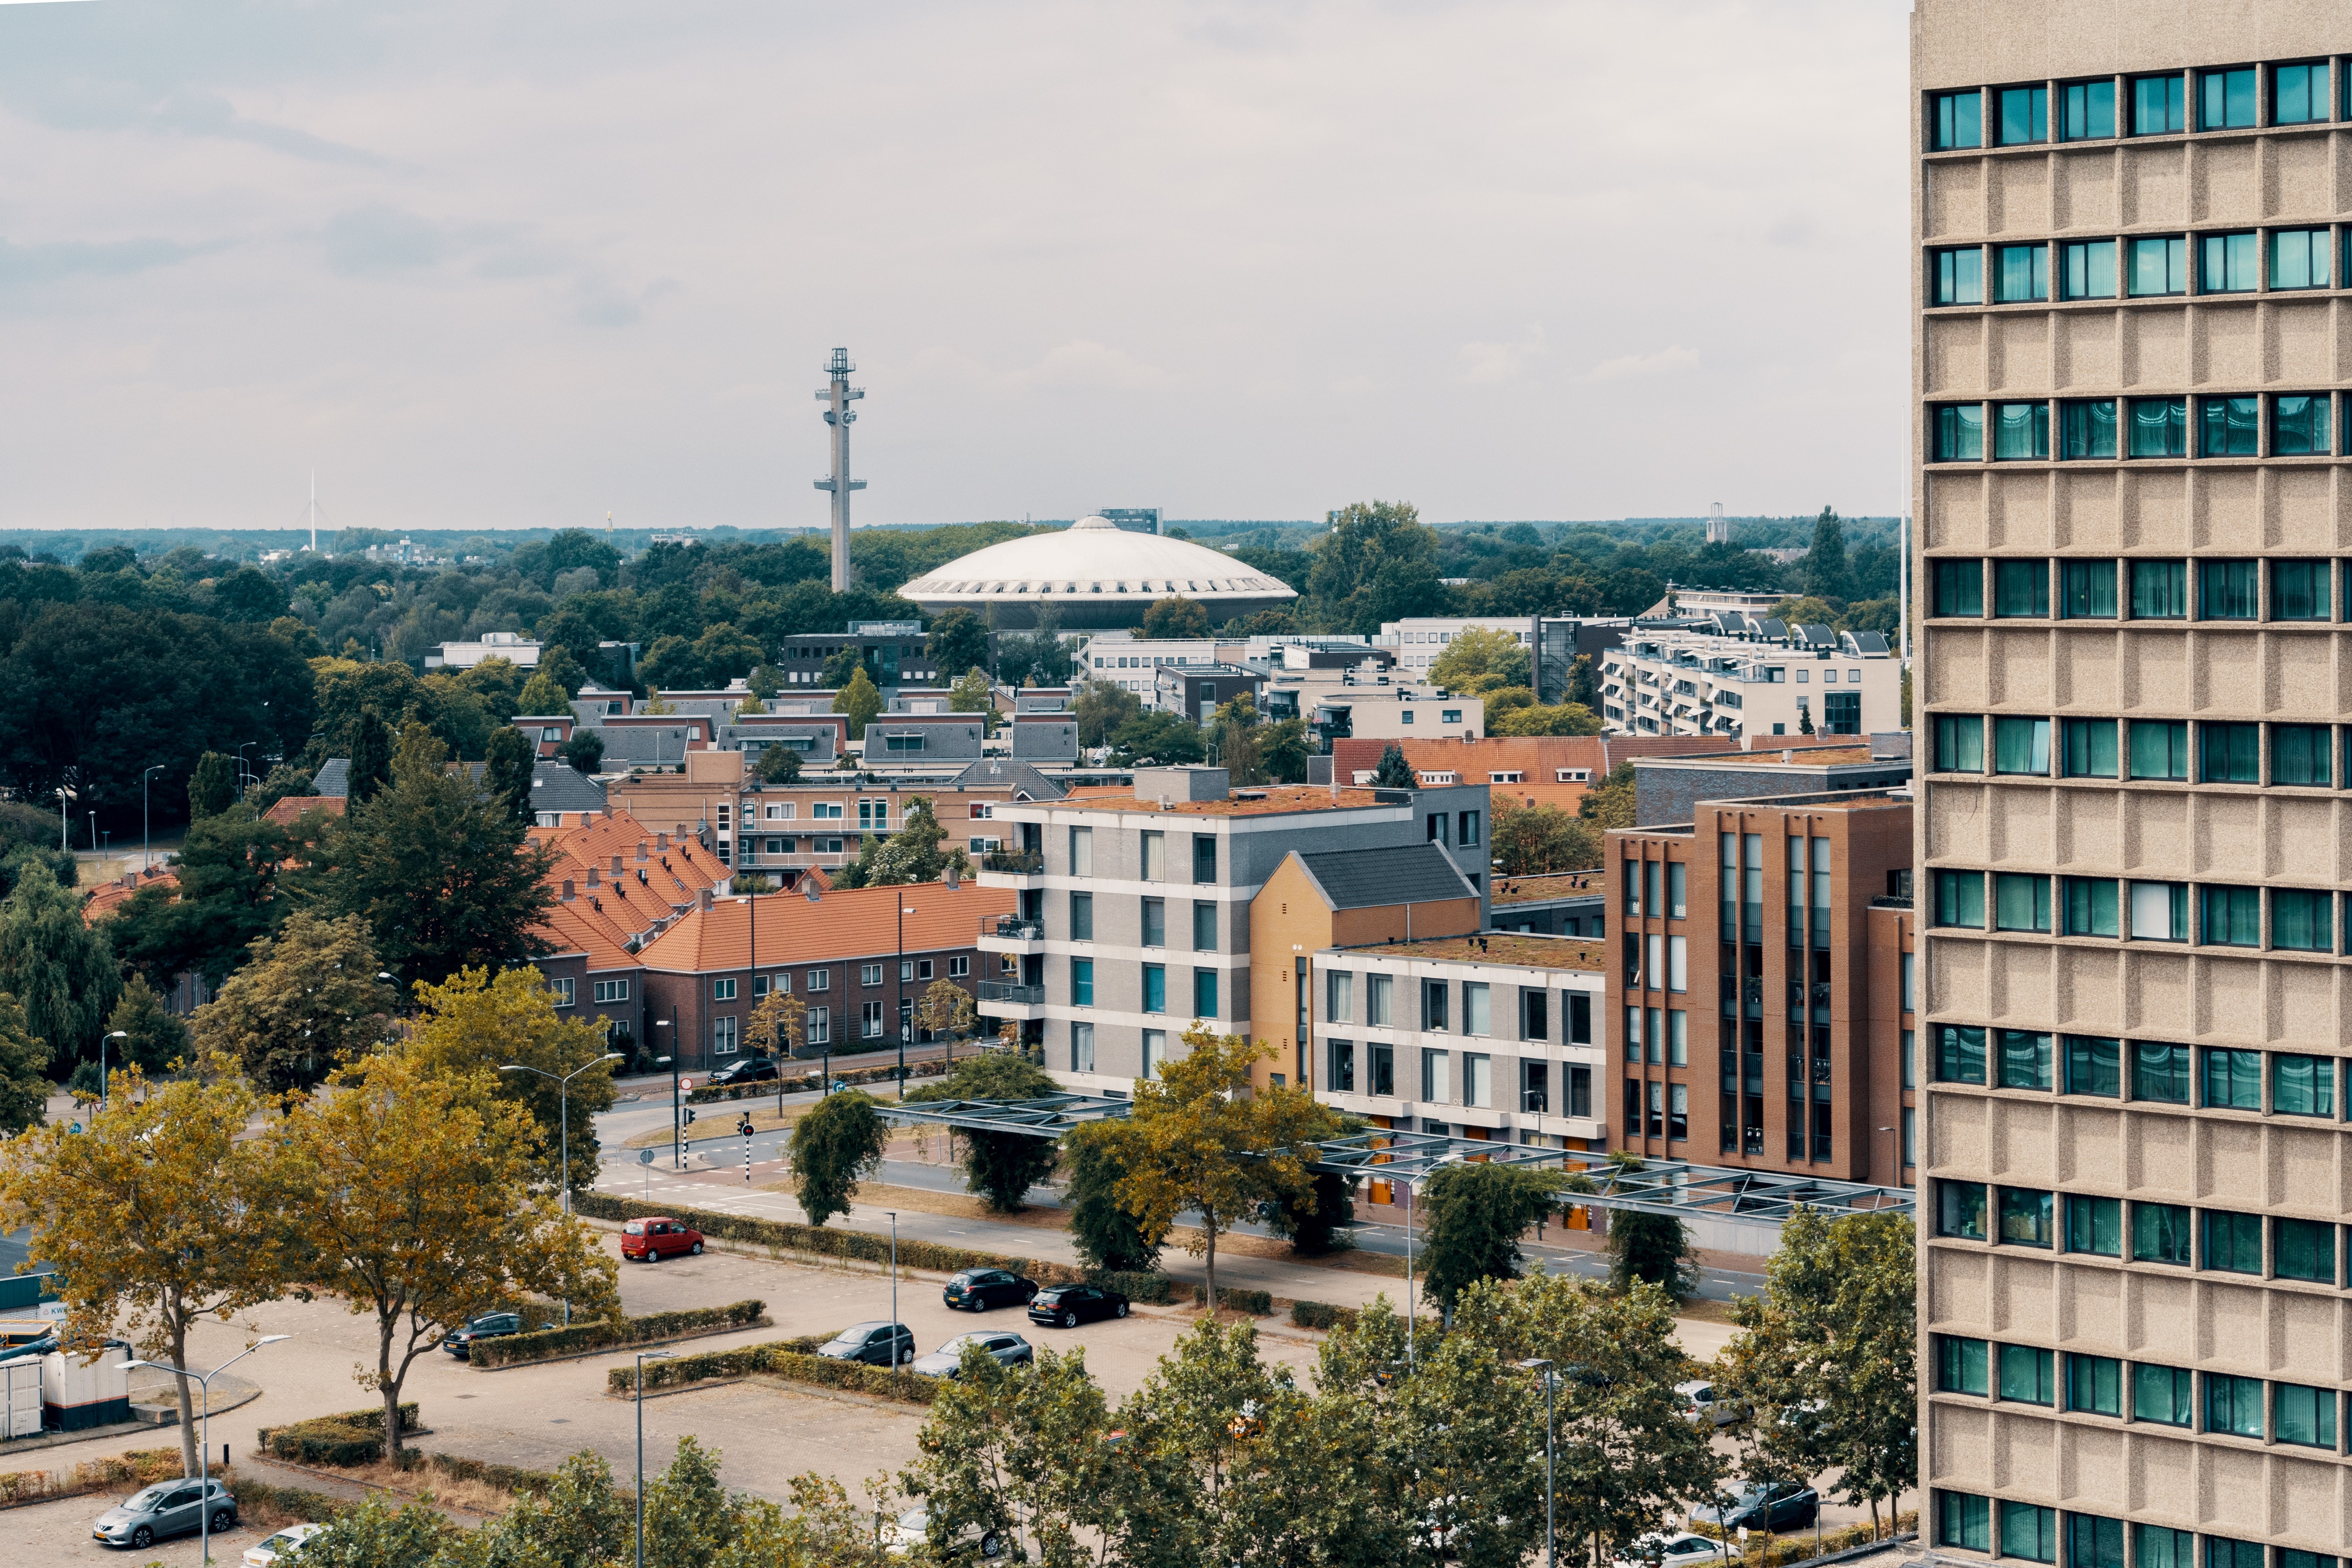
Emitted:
<point x="78" y="1392"/>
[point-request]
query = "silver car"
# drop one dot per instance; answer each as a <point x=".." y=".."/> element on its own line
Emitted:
<point x="167" y="1508"/>
<point x="1008" y="1349"/>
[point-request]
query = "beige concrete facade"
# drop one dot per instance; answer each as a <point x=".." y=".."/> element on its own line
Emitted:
<point x="2135" y="1335"/>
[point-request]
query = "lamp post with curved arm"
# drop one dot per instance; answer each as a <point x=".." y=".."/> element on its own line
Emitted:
<point x="564" y="1100"/>
<point x="111" y="1035"/>
<point x="145" y="857"/>
<point x="643" y="1357"/>
<point x="205" y="1447"/>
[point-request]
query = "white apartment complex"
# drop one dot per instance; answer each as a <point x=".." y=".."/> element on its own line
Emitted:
<point x="1702" y="683"/>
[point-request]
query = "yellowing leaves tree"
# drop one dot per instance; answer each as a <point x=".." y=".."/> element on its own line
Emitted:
<point x="308" y="1003"/>
<point x="417" y="1197"/>
<point x="779" y="1024"/>
<point x="475" y="1024"/>
<point x="160" y="1214"/>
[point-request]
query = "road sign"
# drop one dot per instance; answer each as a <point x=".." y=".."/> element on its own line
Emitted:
<point x="686" y="1083"/>
<point x="644" y="1156"/>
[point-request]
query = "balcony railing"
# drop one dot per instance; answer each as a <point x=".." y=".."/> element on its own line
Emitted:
<point x="1011" y="991"/>
<point x="1013" y="928"/>
<point x="1017" y="861"/>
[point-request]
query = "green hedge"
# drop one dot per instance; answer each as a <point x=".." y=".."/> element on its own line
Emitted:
<point x="110" y="1472"/>
<point x="1322" y="1315"/>
<point x="506" y="1478"/>
<point x="547" y="1344"/>
<point x="295" y="1502"/>
<point x="1256" y="1303"/>
<point x="1154" y="1290"/>
<point x="677" y="1372"/>
<point x="352" y="1437"/>
<point x="866" y="1247"/>
<point x="855" y="1376"/>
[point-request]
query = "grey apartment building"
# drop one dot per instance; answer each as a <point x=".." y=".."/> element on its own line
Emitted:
<point x="1134" y="915"/>
<point x="2132" y="339"/>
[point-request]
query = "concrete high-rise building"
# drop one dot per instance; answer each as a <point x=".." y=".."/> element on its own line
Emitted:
<point x="2129" y="231"/>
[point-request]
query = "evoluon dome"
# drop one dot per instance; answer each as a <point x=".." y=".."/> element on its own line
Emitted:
<point x="1094" y="576"/>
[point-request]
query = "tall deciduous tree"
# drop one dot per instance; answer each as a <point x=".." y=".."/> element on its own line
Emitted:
<point x="958" y="642"/>
<point x="24" y="1064"/>
<point x="542" y="694"/>
<point x="779" y="1024"/>
<point x="836" y="1145"/>
<point x="416" y="1196"/>
<point x="917" y="852"/>
<point x="153" y="1037"/>
<point x="475" y="1024"/>
<point x="1610" y="801"/>
<point x="308" y="1002"/>
<point x="1008" y="1449"/>
<point x="1826" y="574"/>
<point x="160" y="1214"/>
<point x="61" y="970"/>
<point x="998" y="1167"/>
<point x="506" y="772"/>
<point x="371" y="758"/>
<point x="860" y="701"/>
<point x="1094" y="1163"/>
<point x="224" y="896"/>
<point x="212" y="788"/>
<point x="1103" y="709"/>
<point x="1476" y="1214"/>
<point x="1175" y="616"/>
<point x="1653" y="1248"/>
<point x="779" y="764"/>
<point x="1537" y="840"/>
<point x="1480" y="659"/>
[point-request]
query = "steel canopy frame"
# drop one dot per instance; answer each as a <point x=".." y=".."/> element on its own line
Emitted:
<point x="1398" y="1154"/>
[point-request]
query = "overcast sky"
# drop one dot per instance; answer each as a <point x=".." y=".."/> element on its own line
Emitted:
<point x="494" y="265"/>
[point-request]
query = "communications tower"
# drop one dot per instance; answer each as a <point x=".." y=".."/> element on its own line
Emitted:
<point x="837" y="397"/>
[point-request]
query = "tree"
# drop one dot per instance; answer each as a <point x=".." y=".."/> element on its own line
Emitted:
<point x="1826" y="576"/>
<point x="1610" y="804"/>
<point x="779" y="1024"/>
<point x="1376" y="562"/>
<point x="308" y="1003"/>
<point x="1195" y="1143"/>
<point x="972" y="693"/>
<point x="958" y="641"/>
<point x="1168" y="739"/>
<point x="1540" y="719"/>
<point x="1476" y="1214"/>
<point x="584" y="751"/>
<point x="225" y="898"/>
<point x="1234" y="725"/>
<point x="1539" y="840"/>
<point x="1655" y="1248"/>
<point x="1480" y="659"/>
<point x="498" y="684"/>
<point x="24" y="1084"/>
<point x="1807" y="610"/>
<point x="779" y="764"/>
<point x="377" y="1533"/>
<point x="1395" y="771"/>
<point x="999" y="1168"/>
<point x="474" y="1023"/>
<point x="1008" y="1448"/>
<point x="541" y="694"/>
<point x="1174" y="616"/>
<point x="1314" y="1224"/>
<point x="285" y="779"/>
<point x="371" y="758"/>
<point x="506" y="772"/>
<point x="946" y="1008"/>
<point x="212" y="788"/>
<point x="915" y="853"/>
<point x="1102" y="707"/>
<point x="61" y="970"/>
<point x="158" y="1215"/>
<point x="836" y="1145"/>
<point x="1094" y="1163"/>
<point x="153" y="1040"/>
<point x="1282" y="749"/>
<point x="860" y="700"/>
<point x="415" y="1195"/>
<point x="842" y="666"/>
<point x="443" y="876"/>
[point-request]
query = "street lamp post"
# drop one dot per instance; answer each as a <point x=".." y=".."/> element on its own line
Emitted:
<point x="240" y="768"/>
<point x="676" y="1128"/>
<point x="643" y="1357"/>
<point x="144" y="779"/>
<point x="1541" y="1366"/>
<point x="204" y="1446"/>
<point x="894" y="1290"/>
<point x="1409" y="1307"/>
<point x="113" y="1035"/>
<point x="564" y="1101"/>
<point x="1893" y="1159"/>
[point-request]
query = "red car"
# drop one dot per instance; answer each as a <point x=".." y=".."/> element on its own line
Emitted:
<point x="651" y="1240"/>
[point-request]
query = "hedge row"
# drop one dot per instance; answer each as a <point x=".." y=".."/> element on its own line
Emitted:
<point x="547" y="1344"/>
<point x="855" y="1376"/>
<point x="1785" y="1548"/>
<point x="677" y="1372"/>
<point x="1322" y="1315"/>
<point x="506" y="1478"/>
<point x="325" y="1442"/>
<point x="1153" y="1289"/>
<point x="368" y="1420"/>
<point x="112" y="1472"/>
<point x="297" y="1503"/>
<point x="866" y="1247"/>
<point x="1256" y="1303"/>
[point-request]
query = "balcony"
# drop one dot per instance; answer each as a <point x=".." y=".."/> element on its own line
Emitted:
<point x="1011" y="933"/>
<point x="1012" y="867"/>
<point x="1011" y="999"/>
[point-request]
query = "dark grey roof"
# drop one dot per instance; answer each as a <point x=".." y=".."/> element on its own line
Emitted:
<point x="1867" y="644"/>
<point x="1816" y="635"/>
<point x="1400" y="874"/>
<point x="642" y="743"/>
<point x="559" y="786"/>
<point x="334" y="777"/>
<point x="1020" y="777"/>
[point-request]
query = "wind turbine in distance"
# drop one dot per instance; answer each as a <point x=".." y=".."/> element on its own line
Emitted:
<point x="314" y="512"/>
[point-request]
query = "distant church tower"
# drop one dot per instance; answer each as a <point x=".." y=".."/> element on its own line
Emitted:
<point x="838" y="398"/>
<point x="1718" y="527"/>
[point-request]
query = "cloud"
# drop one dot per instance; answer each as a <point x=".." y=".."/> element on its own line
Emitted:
<point x="1491" y="364"/>
<point x="27" y="266"/>
<point x="1626" y="367"/>
<point x="380" y="238"/>
<point x="1084" y="366"/>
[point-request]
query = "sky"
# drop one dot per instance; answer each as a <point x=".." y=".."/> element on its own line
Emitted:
<point x="486" y="264"/>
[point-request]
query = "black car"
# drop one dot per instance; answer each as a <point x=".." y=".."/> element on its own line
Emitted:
<point x="749" y="1069"/>
<point x="1782" y="1505"/>
<point x="1067" y="1306"/>
<point x="875" y="1343"/>
<point x="981" y="1289"/>
<point x="489" y="1326"/>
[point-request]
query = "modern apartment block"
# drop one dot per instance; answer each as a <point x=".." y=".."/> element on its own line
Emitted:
<point x="1134" y="917"/>
<point x="2129" y="227"/>
<point x="1770" y="680"/>
<point x="1777" y="924"/>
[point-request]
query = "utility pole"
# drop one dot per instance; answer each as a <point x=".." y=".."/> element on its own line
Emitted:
<point x="837" y="396"/>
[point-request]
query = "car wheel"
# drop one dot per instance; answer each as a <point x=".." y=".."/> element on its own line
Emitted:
<point x="991" y="1546"/>
<point x="141" y="1539"/>
<point x="695" y="1249"/>
<point x="906" y="1354"/>
<point x="1119" y="1310"/>
<point x="224" y="1520"/>
<point x="1069" y="1319"/>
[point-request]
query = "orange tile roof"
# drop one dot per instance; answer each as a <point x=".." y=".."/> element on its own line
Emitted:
<point x="1524" y="950"/>
<point x="105" y="899"/>
<point x="580" y="927"/>
<point x="848" y="922"/>
<point x="1566" y="884"/>
<point x="288" y="810"/>
<point x="691" y="867"/>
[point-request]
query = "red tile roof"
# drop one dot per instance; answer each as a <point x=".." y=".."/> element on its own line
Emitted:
<point x="854" y="923"/>
<point x="289" y="809"/>
<point x="580" y="927"/>
<point x="106" y="898"/>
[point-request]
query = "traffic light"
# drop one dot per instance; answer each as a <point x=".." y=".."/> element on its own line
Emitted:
<point x="690" y="1117"/>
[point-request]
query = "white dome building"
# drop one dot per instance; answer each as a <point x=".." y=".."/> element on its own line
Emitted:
<point x="1094" y="576"/>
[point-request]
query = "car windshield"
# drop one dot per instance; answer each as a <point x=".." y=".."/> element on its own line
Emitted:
<point x="151" y="1497"/>
<point x="635" y="1227"/>
<point x="915" y="1518"/>
<point x="284" y="1540"/>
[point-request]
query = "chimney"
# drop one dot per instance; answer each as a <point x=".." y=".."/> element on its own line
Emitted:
<point x="953" y="878"/>
<point x="616" y="867"/>
<point x="661" y="841"/>
<point x="641" y="852"/>
<point x="592" y="875"/>
<point x="568" y="894"/>
<point x="702" y="900"/>
<point x="1788" y="756"/>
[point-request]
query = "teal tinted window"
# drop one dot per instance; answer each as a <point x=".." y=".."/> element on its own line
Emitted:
<point x="2028" y="1531"/>
<point x="2020" y="746"/>
<point x="1960" y="587"/>
<point x="2025" y="1058"/>
<point x="2229" y="427"/>
<point x="2086" y="269"/>
<point x="1960" y="898"/>
<point x="2086" y="429"/>
<point x="2024" y="115"/>
<point x="2230" y="264"/>
<point x="2094" y="1066"/>
<point x="2089" y="751"/>
<point x="1959" y="744"/>
<point x="1959" y="433"/>
<point x="1960" y="1210"/>
<point x="2159" y="427"/>
<point x="2300" y="591"/>
<point x="2087" y="110"/>
<point x="2234" y="1405"/>
<point x="2021" y="274"/>
<point x="2090" y="904"/>
<point x="2223" y="1552"/>
<point x="2086" y="589"/>
<point x="2234" y="1242"/>
<point x="2232" y="753"/>
<point x="2299" y="753"/>
<point x="1960" y="1054"/>
<point x="2020" y="901"/>
<point x="2021" y="431"/>
<point x="2095" y="1225"/>
<point x="2093" y="1542"/>
<point x="2159" y="590"/>
<point x="2233" y="1080"/>
<point x="2226" y="100"/>
<point x="2304" y="1249"/>
<point x="2230" y="917"/>
<point x="1965" y="1522"/>
<point x="2020" y="588"/>
<point x="2154" y="1546"/>
<point x="2299" y="259"/>
<point x="2159" y="1072"/>
<point x="2290" y="1558"/>
<point x="2303" y="920"/>
<point x="2229" y="590"/>
<point x="2163" y="1394"/>
<point x="1959" y="277"/>
<point x="2095" y="1384"/>
<point x="1960" y="119"/>
<point x="2305" y="1416"/>
<point x="2159" y="264"/>
<point x="2299" y="94"/>
<point x="1960" y="1365"/>
<point x="2299" y="425"/>
<point x="2159" y="749"/>
<point x="2159" y="105"/>
<point x="1082" y="981"/>
<point x="2025" y="1218"/>
<point x="1155" y="988"/>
